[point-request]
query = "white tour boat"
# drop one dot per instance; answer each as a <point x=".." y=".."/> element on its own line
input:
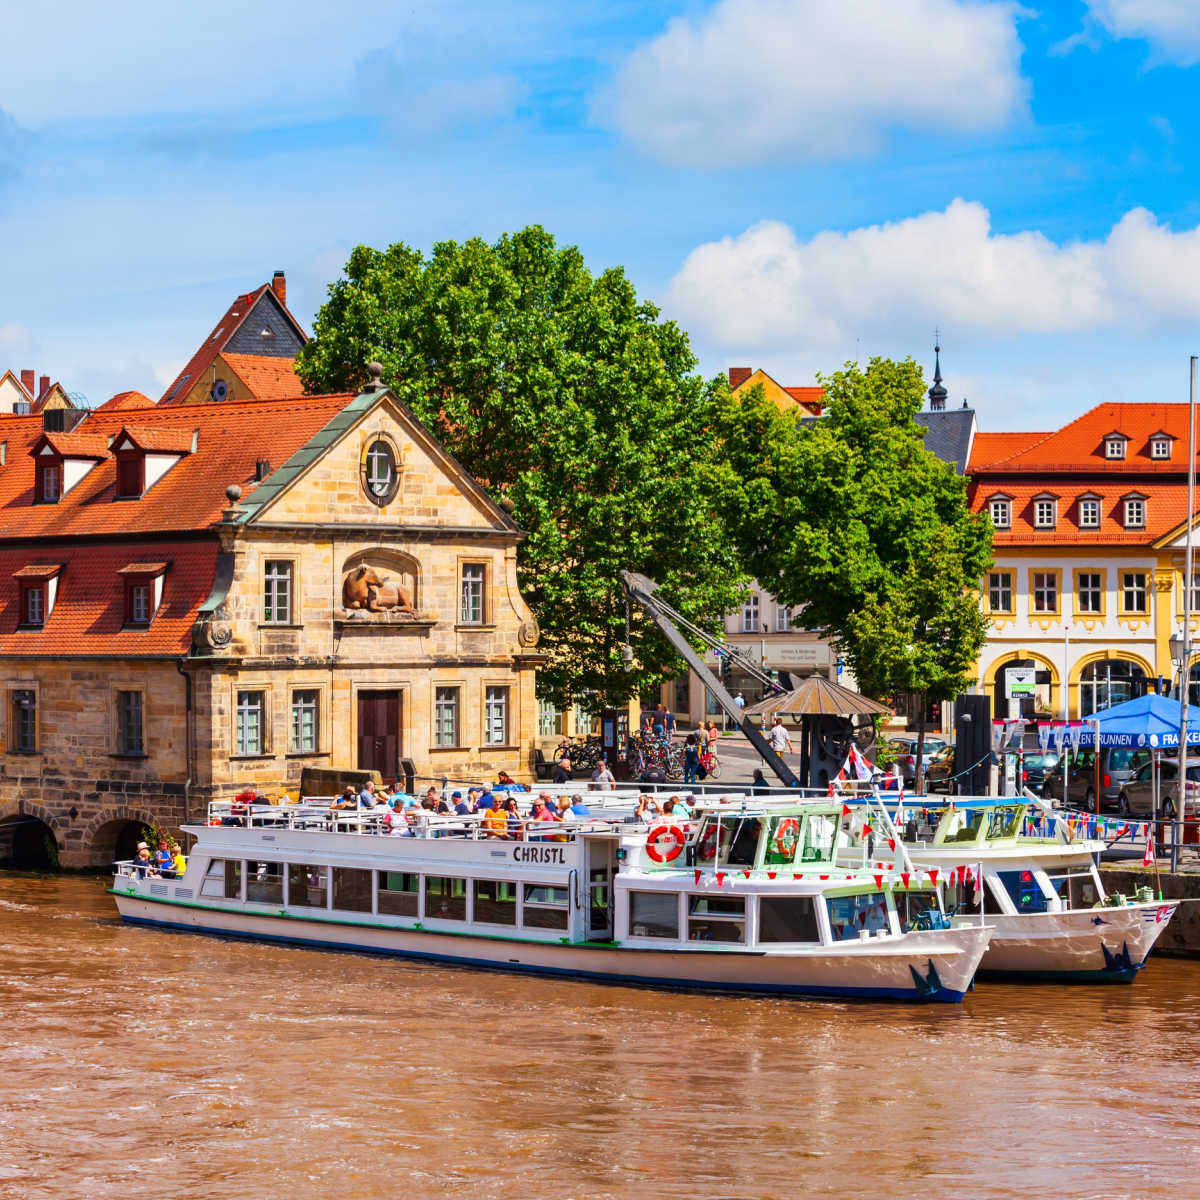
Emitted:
<point x="740" y="899"/>
<point x="1041" y="888"/>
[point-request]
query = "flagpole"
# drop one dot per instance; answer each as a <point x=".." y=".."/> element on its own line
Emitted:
<point x="1181" y="781"/>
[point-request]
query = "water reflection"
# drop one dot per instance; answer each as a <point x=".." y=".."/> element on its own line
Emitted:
<point x="144" y="1062"/>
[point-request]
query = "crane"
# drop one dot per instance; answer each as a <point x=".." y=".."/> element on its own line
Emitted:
<point x="646" y="593"/>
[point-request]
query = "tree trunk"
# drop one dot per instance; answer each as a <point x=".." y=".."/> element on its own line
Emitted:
<point x="919" y="776"/>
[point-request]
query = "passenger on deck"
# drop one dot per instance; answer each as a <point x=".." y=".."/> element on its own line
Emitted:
<point x="434" y="795"/>
<point x="461" y="807"/>
<point x="473" y="797"/>
<point x="495" y="819"/>
<point x="515" y="824"/>
<point x="541" y="810"/>
<point x="578" y="808"/>
<point x="647" y="810"/>
<point x="164" y="860"/>
<point x="348" y="799"/>
<point x="562" y="771"/>
<point x="367" y="797"/>
<point x="505" y="780"/>
<point x="178" y="862"/>
<point x="142" y="865"/>
<point x="445" y="807"/>
<point x="683" y="808"/>
<point x="603" y="777"/>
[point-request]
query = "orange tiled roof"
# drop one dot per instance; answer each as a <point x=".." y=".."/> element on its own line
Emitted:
<point x="267" y="378"/>
<point x="1079" y="447"/>
<point x="76" y="444"/>
<point x="230" y="439"/>
<point x="814" y="397"/>
<point x="125" y="400"/>
<point x="89" y="609"/>
<point x="989" y="448"/>
<point x="1166" y="509"/>
<point x="172" y="440"/>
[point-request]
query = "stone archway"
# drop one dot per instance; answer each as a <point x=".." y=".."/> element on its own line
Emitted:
<point x="113" y="833"/>
<point x="27" y="841"/>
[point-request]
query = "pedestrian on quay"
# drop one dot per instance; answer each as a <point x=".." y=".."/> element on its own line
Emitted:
<point x="779" y="739"/>
<point x="603" y="777"/>
<point x="691" y="759"/>
<point x="562" y="770"/>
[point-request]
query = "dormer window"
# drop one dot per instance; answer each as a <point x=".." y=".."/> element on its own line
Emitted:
<point x="38" y="584"/>
<point x="1089" y="512"/>
<point x="1135" y="512"/>
<point x="131" y="475"/>
<point x="48" y="485"/>
<point x="1000" y="510"/>
<point x="143" y="592"/>
<point x="1114" y="446"/>
<point x="1160" y="446"/>
<point x="1045" y="512"/>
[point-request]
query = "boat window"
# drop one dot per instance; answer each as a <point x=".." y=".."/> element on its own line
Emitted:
<point x="1076" y="891"/>
<point x="787" y="919"/>
<point x="545" y="906"/>
<point x="264" y="882"/>
<point x="214" y="880"/>
<point x="849" y="915"/>
<point x="819" y="834"/>
<point x="399" y="893"/>
<point x="1005" y="822"/>
<point x="654" y="914"/>
<point x="1023" y="888"/>
<point x="961" y="897"/>
<point x="445" y="898"/>
<point x="964" y="825"/>
<point x="351" y="889"/>
<point x="716" y="919"/>
<point x="783" y="838"/>
<point x="706" y="843"/>
<point x="308" y="886"/>
<point x="910" y="905"/>
<point x="743" y="845"/>
<point x="496" y="901"/>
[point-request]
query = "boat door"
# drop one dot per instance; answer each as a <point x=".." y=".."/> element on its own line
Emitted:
<point x="601" y="859"/>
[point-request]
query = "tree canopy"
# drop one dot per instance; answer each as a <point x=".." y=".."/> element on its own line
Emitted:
<point x="851" y="517"/>
<point x="563" y="393"/>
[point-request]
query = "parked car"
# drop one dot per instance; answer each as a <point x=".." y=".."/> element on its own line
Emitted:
<point x="939" y="772"/>
<point x="905" y="750"/>
<point x="1137" y="794"/>
<point x="1117" y="765"/>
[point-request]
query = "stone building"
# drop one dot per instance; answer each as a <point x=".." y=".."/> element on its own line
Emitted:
<point x="199" y="596"/>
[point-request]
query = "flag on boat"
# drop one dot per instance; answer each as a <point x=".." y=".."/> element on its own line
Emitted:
<point x="1148" y="857"/>
<point x="856" y="764"/>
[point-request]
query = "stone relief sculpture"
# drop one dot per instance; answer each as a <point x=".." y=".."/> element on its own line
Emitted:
<point x="366" y="590"/>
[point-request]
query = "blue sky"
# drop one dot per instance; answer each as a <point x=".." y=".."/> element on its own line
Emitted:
<point x="798" y="182"/>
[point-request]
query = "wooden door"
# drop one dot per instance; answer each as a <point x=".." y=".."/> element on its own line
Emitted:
<point x="379" y="733"/>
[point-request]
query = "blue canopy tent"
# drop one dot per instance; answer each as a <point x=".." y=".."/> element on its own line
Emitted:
<point x="1151" y="721"/>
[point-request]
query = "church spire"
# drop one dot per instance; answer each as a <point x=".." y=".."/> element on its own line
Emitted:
<point x="937" y="393"/>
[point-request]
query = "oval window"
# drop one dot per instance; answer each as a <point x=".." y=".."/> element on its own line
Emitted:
<point x="379" y="472"/>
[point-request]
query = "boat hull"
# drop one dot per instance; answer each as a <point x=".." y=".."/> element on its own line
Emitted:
<point x="1097" y="945"/>
<point x="937" y="966"/>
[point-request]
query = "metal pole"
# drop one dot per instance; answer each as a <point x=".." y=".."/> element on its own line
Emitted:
<point x="1181" y="782"/>
<point x="1066" y="687"/>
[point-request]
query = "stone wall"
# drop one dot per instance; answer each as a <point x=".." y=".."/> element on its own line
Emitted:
<point x="1182" y="936"/>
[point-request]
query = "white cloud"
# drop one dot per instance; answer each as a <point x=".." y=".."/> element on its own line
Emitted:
<point x="14" y="339"/>
<point x="1172" y="27"/>
<point x="798" y="80"/>
<point x="766" y="289"/>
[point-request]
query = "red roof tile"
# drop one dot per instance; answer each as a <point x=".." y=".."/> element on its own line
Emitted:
<point x="125" y="400"/>
<point x="231" y="438"/>
<point x="75" y="444"/>
<point x="267" y="378"/>
<point x="225" y="328"/>
<point x="989" y="448"/>
<point x="814" y="397"/>
<point x="1079" y="446"/>
<point x="38" y="571"/>
<point x="89" y="609"/>
<point x="172" y="440"/>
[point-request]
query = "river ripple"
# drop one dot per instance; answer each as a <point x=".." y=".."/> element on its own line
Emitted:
<point x="140" y="1063"/>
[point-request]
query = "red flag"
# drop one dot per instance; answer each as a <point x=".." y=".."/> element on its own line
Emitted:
<point x="697" y="874"/>
<point x="797" y="875"/>
<point x="892" y="844"/>
<point x="933" y="875"/>
<point x="905" y="876"/>
<point x="747" y="874"/>
<point x="720" y="878"/>
<point x="879" y="882"/>
<point x="845" y="807"/>
<point x="772" y="874"/>
<point x="866" y="831"/>
<point x="831" y="794"/>
<point x="1149" y="856"/>
<point x="822" y="876"/>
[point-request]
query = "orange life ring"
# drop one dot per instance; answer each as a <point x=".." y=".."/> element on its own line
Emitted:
<point x="670" y="834"/>
<point x="787" y="834"/>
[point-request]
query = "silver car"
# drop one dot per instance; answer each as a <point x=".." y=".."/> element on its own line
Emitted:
<point x="1137" y="793"/>
<point x="906" y="754"/>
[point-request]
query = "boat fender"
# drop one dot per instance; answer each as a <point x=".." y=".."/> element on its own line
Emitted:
<point x="787" y="834"/>
<point x="664" y="843"/>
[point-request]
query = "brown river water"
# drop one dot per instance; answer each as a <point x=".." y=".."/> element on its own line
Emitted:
<point x="146" y="1064"/>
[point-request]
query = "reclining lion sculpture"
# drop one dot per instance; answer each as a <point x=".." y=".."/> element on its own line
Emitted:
<point x="365" y="589"/>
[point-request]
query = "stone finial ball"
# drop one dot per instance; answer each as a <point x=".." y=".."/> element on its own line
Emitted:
<point x="375" y="370"/>
<point x="233" y="493"/>
<point x="507" y="505"/>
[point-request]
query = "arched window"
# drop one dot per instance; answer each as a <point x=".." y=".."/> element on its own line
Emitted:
<point x="1108" y="682"/>
<point x="379" y="471"/>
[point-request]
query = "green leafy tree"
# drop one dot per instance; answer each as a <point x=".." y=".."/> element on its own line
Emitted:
<point x="851" y="517"/>
<point x="565" y="395"/>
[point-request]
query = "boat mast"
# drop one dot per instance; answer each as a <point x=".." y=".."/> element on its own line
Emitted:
<point x="1181" y="781"/>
